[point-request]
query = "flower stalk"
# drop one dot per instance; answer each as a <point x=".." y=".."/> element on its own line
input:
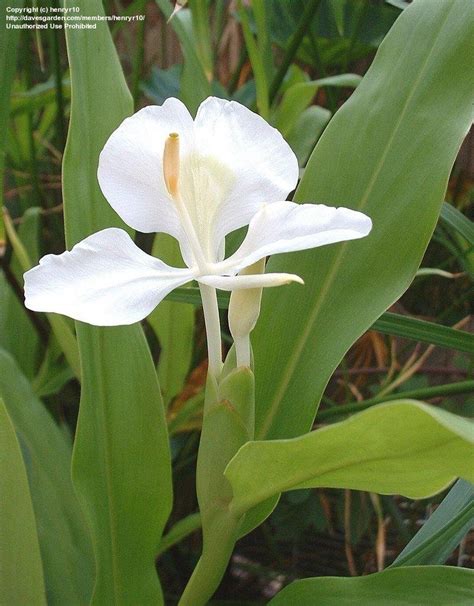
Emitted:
<point x="228" y="423"/>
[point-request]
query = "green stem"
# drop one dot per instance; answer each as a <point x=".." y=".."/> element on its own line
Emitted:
<point x="228" y="423"/>
<point x="421" y="394"/>
<point x="305" y="22"/>
<point x="212" y="564"/>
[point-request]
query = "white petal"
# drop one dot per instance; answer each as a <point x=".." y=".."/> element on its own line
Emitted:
<point x="240" y="162"/>
<point x="252" y="281"/>
<point x="130" y="170"/>
<point x="286" y="227"/>
<point x="105" y="280"/>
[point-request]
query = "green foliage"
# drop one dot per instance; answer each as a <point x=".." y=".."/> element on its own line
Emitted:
<point x="400" y="447"/>
<point x="349" y="285"/>
<point x="46" y="448"/>
<point x="121" y="466"/>
<point x="443" y="531"/>
<point x="417" y="586"/>
<point x="21" y="581"/>
<point x="388" y="151"/>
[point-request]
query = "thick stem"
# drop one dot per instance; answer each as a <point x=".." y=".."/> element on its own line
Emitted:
<point x="212" y="564"/>
<point x="213" y="328"/>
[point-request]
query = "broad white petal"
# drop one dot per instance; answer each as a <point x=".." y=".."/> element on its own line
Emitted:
<point x="252" y="281"/>
<point x="105" y="280"/>
<point x="239" y="163"/>
<point x="130" y="170"/>
<point x="286" y="227"/>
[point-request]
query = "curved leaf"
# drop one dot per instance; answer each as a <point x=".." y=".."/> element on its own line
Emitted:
<point x="121" y="464"/>
<point x="444" y="529"/>
<point x="21" y="581"/>
<point x="403" y="447"/>
<point x="65" y="545"/>
<point x="415" y="586"/>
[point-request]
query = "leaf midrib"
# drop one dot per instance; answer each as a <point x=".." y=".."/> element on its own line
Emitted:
<point x="304" y="476"/>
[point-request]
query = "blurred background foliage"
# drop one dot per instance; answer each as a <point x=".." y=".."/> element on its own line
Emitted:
<point x="295" y="62"/>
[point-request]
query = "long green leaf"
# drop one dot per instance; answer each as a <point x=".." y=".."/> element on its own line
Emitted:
<point x="297" y="98"/>
<point x="403" y="447"/>
<point x="444" y="529"/>
<point x="121" y="466"/>
<point x="61" y="327"/>
<point x="195" y="86"/>
<point x="455" y="219"/>
<point x="417" y="586"/>
<point x="428" y="332"/>
<point x="387" y="152"/>
<point x="64" y="540"/>
<point x="8" y="51"/>
<point x="17" y="334"/>
<point x="21" y="578"/>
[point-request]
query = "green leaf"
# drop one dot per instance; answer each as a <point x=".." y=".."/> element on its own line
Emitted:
<point x="121" y="463"/>
<point x="17" y="334"/>
<point x="444" y="529"/>
<point x="428" y="332"/>
<point x="195" y="86"/>
<point x="297" y="98"/>
<point x="173" y="324"/>
<point x="454" y="219"/>
<point x="8" y="51"/>
<point x="387" y="152"/>
<point x="388" y="323"/>
<point x="257" y="57"/>
<point x="305" y="133"/>
<point x="403" y="447"/>
<point x="423" y="393"/>
<point x="21" y="581"/>
<point x="180" y="531"/>
<point x="417" y="586"/>
<point x="62" y="327"/>
<point x="65" y="546"/>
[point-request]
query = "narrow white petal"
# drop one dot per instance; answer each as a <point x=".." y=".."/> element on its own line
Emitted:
<point x="105" y="280"/>
<point x="241" y="162"/>
<point x="286" y="227"/>
<point x="130" y="170"/>
<point x="253" y="281"/>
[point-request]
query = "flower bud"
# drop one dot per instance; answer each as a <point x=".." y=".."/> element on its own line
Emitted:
<point x="244" y="306"/>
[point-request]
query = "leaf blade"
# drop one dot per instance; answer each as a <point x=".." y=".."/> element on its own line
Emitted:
<point x="417" y="586"/>
<point x="121" y="462"/>
<point x="403" y="447"/>
<point x="403" y="91"/>
<point x="21" y="580"/>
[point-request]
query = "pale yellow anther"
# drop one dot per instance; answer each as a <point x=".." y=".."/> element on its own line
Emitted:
<point x="171" y="164"/>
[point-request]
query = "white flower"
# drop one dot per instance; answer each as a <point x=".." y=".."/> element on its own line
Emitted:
<point x="198" y="181"/>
